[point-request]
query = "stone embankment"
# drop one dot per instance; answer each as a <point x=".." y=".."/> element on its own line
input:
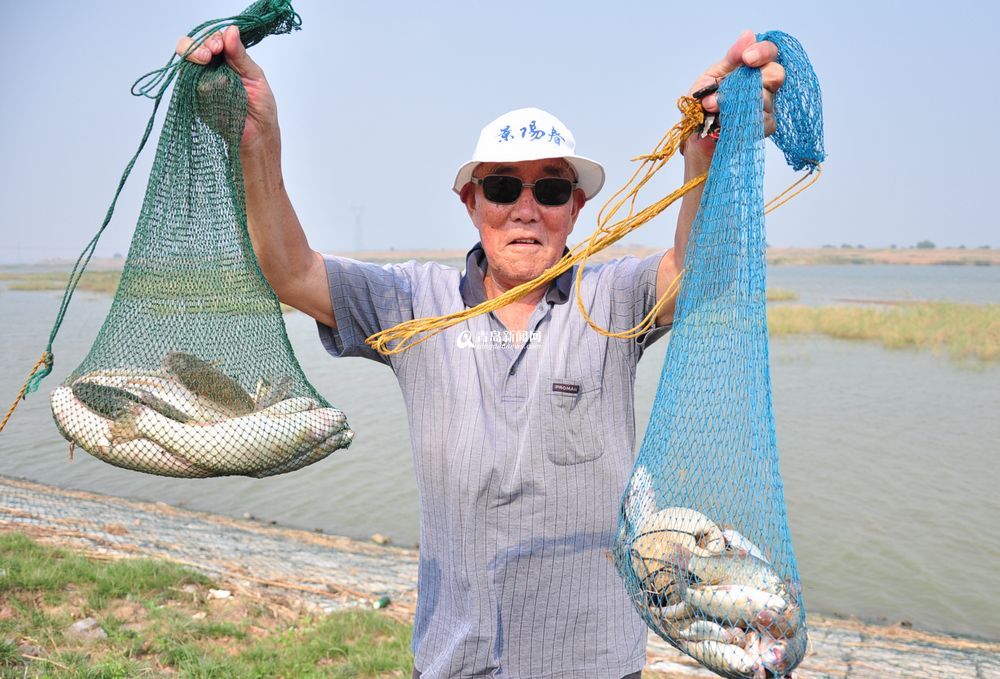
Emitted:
<point x="329" y="573"/>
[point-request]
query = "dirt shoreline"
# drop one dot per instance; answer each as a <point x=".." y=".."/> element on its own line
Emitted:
<point x="324" y="572"/>
<point x="825" y="256"/>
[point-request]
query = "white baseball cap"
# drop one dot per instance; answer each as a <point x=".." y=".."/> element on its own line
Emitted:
<point x="531" y="134"/>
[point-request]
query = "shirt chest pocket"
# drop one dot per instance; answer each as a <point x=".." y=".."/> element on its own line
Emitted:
<point x="572" y="418"/>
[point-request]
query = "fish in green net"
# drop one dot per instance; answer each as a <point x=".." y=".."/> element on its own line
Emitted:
<point x="192" y="373"/>
<point x="209" y="383"/>
<point x="269" y="437"/>
<point x="92" y="432"/>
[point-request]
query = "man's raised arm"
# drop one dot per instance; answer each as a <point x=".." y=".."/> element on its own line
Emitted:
<point x="295" y="271"/>
<point x="698" y="152"/>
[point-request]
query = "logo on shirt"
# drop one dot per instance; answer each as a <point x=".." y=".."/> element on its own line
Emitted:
<point x="495" y="339"/>
<point x="564" y="388"/>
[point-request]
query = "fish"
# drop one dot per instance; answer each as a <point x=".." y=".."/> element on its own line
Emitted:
<point x="86" y="428"/>
<point x="153" y="387"/>
<point x="727" y="569"/>
<point x="639" y="497"/>
<point x="239" y="445"/>
<point x="111" y="401"/>
<point x="207" y="382"/>
<point x="674" y="526"/>
<point x="706" y="630"/>
<point x="681" y="611"/>
<point x="782" y="656"/>
<point x="785" y="623"/>
<point x="728" y="660"/>
<point x="337" y="441"/>
<point x="736" y="542"/>
<point x="734" y="604"/>
<point x="268" y="394"/>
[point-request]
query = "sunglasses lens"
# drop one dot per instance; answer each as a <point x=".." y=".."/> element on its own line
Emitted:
<point x="501" y="189"/>
<point x="553" y="191"/>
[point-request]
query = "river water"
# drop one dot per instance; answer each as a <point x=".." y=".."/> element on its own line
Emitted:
<point x="889" y="458"/>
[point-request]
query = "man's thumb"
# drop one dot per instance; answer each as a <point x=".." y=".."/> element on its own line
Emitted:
<point x="236" y="55"/>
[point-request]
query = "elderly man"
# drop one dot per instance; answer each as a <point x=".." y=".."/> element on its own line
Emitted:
<point x="521" y="420"/>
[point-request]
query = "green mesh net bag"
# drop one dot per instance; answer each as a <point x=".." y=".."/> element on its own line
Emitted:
<point x="192" y="374"/>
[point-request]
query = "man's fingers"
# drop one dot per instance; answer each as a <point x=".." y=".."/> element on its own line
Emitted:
<point x="211" y="46"/>
<point x="773" y="75"/>
<point x="733" y="58"/>
<point x="202" y="55"/>
<point x="758" y="53"/>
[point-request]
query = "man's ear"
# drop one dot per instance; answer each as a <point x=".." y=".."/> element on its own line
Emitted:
<point x="468" y="196"/>
<point x="579" y="200"/>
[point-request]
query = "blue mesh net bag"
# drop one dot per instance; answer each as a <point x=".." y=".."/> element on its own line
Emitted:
<point x="703" y="544"/>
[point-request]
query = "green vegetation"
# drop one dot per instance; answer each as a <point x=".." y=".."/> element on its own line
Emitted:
<point x="781" y="295"/>
<point x="107" y="282"/>
<point x="965" y="331"/>
<point x="91" y="281"/>
<point x="156" y="618"/>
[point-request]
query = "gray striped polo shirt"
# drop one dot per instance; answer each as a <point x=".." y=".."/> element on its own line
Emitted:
<point x="522" y="448"/>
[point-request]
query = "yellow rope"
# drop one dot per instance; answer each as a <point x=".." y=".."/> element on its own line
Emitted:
<point x="20" y="396"/>
<point x="411" y="333"/>
<point x="405" y="335"/>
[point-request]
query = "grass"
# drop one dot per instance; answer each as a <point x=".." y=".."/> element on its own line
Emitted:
<point x="159" y="620"/>
<point x="964" y="331"/>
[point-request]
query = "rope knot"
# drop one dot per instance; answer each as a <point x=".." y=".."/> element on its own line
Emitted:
<point x="692" y="110"/>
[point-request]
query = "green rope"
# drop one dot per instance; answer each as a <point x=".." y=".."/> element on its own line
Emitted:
<point x="263" y="18"/>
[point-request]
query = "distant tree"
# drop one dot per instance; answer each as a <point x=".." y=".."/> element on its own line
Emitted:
<point x="846" y="246"/>
<point x="926" y="245"/>
<point x="962" y="246"/>
<point x="860" y="246"/>
<point x="828" y="245"/>
<point x="892" y="247"/>
<point x="984" y="247"/>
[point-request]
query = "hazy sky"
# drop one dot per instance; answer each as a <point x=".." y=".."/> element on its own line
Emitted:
<point x="381" y="102"/>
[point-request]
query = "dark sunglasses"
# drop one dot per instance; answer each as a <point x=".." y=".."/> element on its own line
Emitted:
<point x="551" y="191"/>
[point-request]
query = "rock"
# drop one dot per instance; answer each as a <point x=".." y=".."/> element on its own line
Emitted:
<point x="380" y="539"/>
<point x="200" y="615"/>
<point x="87" y="630"/>
<point x="33" y="651"/>
<point x="130" y="612"/>
<point x="219" y="594"/>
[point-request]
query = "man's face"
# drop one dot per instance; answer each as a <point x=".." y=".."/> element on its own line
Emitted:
<point x="524" y="238"/>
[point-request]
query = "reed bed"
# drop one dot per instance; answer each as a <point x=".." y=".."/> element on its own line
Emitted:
<point x="781" y="295"/>
<point x="963" y="331"/>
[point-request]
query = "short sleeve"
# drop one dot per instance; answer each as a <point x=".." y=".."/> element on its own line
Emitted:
<point x="633" y="295"/>
<point x="366" y="298"/>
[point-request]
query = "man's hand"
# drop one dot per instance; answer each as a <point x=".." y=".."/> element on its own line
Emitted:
<point x="262" y="113"/>
<point x="746" y="51"/>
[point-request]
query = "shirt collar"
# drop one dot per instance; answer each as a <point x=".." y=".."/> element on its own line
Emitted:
<point x="473" y="285"/>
